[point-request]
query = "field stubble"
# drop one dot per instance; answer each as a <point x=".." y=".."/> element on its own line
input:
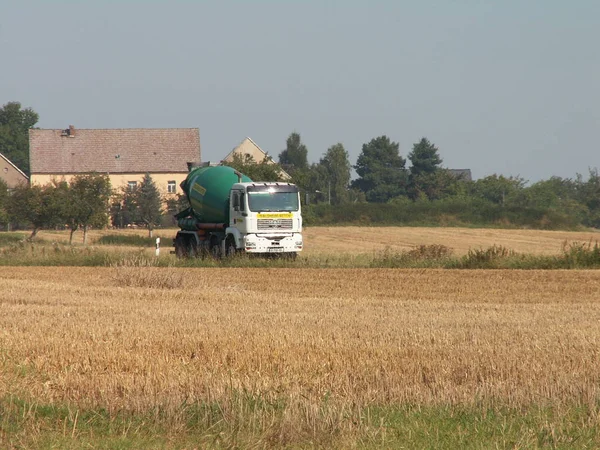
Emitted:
<point x="318" y="346"/>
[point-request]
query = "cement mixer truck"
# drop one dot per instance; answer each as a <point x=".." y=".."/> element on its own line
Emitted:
<point x="231" y="214"/>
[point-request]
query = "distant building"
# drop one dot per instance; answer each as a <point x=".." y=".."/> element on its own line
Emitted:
<point x="249" y="147"/>
<point x="11" y="174"/>
<point x="463" y="174"/>
<point x="124" y="154"/>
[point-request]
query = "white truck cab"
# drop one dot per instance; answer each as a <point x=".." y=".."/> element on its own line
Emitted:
<point x="264" y="218"/>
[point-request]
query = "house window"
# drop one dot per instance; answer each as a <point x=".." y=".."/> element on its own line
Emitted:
<point x="131" y="185"/>
<point x="171" y="187"/>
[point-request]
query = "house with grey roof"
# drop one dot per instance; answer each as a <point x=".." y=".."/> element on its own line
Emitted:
<point x="11" y="174"/>
<point x="461" y="174"/>
<point x="249" y="148"/>
<point x="124" y="154"/>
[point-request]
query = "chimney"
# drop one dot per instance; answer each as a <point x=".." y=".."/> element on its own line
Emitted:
<point x="71" y="130"/>
<point x="191" y="165"/>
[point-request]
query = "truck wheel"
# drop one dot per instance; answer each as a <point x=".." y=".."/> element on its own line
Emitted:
<point x="192" y="249"/>
<point x="180" y="248"/>
<point x="231" y="249"/>
<point x="215" y="248"/>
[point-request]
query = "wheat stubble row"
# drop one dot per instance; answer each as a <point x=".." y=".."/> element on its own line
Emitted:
<point x="357" y="337"/>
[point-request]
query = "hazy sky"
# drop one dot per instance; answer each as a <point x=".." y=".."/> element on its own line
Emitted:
<point x="500" y="86"/>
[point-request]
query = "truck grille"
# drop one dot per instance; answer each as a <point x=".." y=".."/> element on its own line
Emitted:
<point x="275" y="224"/>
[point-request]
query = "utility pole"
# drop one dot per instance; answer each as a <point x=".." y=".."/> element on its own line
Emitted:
<point x="329" y="192"/>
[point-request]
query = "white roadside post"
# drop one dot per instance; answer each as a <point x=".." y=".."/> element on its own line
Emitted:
<point x="157" y="246"/>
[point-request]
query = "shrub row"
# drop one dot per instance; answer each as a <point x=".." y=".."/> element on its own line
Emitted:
<point x="456" y="211"/>
<point x="573" y="256"/>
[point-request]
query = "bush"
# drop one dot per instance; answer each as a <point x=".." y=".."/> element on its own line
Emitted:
<point x="481" y="258"/>
<point x="10" y="238"/>
<point x="131" y="240"/>
<point x="581" y="254"/>
<point x="454" y="211"/>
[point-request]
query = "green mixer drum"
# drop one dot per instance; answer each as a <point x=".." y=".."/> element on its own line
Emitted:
<point x="207" y="189"/>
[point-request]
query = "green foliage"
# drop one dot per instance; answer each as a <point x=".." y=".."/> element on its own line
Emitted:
<point x="129" y="240"/>
<point x="14" y="133"/>
<point x="15" y="251"/>
<point x="336" y="168"/>
<point x="89" y="197"/>
<point x="123" y="208"/>
<point x="581" y="254"/>
<point x="424" y="158"/>
<point x="148" y="203"/>
<point x="312" y="182"/>
<point x="484" y="258"/>
<point x="588" y="194"/>
<point x="451" y="211"/>
<point x="381" y="170"/>
<point x="10" y="238"/>
<point x="261" y="420"/>
<point x="38" y="206"/>
<point x="497" y="188"/>
<point x="426" y="178"/>
<point x="266" y="170"/>
<point x="295" y="155"/>
<point x="435" y="185"/>
<point x="174" y="205"/>
<point x="3" y="203"/>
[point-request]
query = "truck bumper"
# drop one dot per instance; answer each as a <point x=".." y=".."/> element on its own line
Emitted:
<point x="256" y="243"/>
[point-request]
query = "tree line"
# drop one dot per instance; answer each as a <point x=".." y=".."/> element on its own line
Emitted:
<point x="425" y="188"/>
<point x="383" y="180"/>
<point x="87" y="201"/>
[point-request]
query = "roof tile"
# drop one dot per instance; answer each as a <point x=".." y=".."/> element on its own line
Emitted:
<point x="125" y="150"/>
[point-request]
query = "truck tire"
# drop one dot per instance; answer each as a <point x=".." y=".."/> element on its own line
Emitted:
<point x="192" y="248"/>
<point x="215" y="247"/>
<point x="180" y="247"/>
<point x="230" y="248"/>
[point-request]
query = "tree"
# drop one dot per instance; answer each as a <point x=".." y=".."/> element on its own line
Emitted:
<point x="424" y="178"/>
<point x="263" y="171"/>
<point x="424" y="158"/>
<point x="381" y="170"/>
<point x="148" y="204"/>
<point x="89" y="195"/>
<point x="3" y="203"/>
<point x="175" y="205"/>
<point x="588" y="194"/>
<point x="337" y="167"/>
<point x="313" y="181"/>
<point x="435" y="185"/>
<point x="39" y="206"/>
<point x="63" y="199"/>
<point x="123" y="208"/>
<point x="497" y="188"/>
<point x="295" y="155"/>
<point x="14" y="133"/>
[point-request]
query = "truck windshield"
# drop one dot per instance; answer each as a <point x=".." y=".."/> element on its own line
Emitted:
<point x="273" y="201"/>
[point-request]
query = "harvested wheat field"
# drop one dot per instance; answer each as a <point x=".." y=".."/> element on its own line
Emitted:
<point x="355" y="240"/>
<point x="298" y="357"/>
<point x="336" y="240"/>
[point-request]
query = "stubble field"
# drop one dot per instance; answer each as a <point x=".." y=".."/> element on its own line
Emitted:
<point x="344" y="240"/>
<point x="247" y="357"/>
